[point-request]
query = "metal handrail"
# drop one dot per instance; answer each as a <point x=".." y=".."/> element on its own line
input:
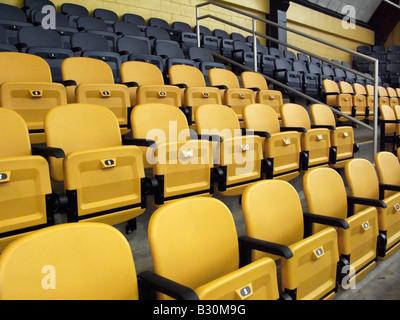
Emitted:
<point x="255" y="18"/>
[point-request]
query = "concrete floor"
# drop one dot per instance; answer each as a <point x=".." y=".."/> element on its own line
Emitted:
<point x="382" y="283"/>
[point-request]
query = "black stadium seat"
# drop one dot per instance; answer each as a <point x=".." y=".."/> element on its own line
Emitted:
<point x="92" y="45"/>
<point x="108" y="16"/>
<point x="4" y="45"/>
<point x="138" y="49"/>
<point x="62" y="26"/>
<point x="12" y="18"/>
<point x="46" y="44"/>
<point x="73" y="12"/>
<point x="97" y="26"/>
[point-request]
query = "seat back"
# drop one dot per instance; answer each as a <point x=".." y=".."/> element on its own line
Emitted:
<point x="387" y="113"/>
<point x="252" y="79"/>
<point x="187" y="75"/>
<point x="261" y="117"/>
<point x="152" y="120"/>
<point x="272" y="212"/>
<point x="14" y="132"/>
<point x="27" y="87"/>
<point x="202" y="255"/>
<point x="87" y="70"/>
<point x="188" y="243"/>
<point x="325" y="194"/>
<point x="78" y="127"/>
<point x="95" y="85"/>
<point x="64" y="263"/>
<point x="219" y="117"/>
<point x="223" y="77"/>
<point x="294" y="115"/>
<point x="322" y="115"/>
<point x="388" y="169"/>
<point x="25" y="188"/>
<point x="362" y="180"/>
<point x="142" y="73"/>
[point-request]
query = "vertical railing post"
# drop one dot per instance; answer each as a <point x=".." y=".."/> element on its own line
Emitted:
<point x="375" y="147"/>
<point x="198" y="26"/>
<point x="255" y="45"/>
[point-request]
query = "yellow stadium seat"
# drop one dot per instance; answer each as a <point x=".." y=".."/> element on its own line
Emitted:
<point x="239" y="157"/>
<point x="193" y="86"/>
<point x="363" y="183"/>
<point x="383" y="98"/>
<point x="182" y="166"/>
<point x="26" y="87"/>
<point x="341" y="101"/>
<point x="74" y="261"/>
<point x="255" y="81"/>
<point x="308" y="264"/>
<point x="194" y="243"/>
<point x="281" y="148"/>
<point x="389" y="127"/>
<point x="26" y="199"/>
<point x="342" y="137"/>
<point x="325" y="195"/>
<point x="359" y="89"/>
<point x="388" y="170"/>
<point x="233" y="95"/>
<point x="359" y="101"/>
<point x="315" y="141"/>
<point x="103" y="179"/>
<point x="91" y="81"/>
<point x="393" y="98"/>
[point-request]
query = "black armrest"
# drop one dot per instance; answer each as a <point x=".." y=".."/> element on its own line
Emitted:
<point x="247" y="132"/>
<point x="299" y="129"/>
<point x="180" y="85"/>
<point x="220" y="87"/>
<point x="210" y="137"/>
<point x="167" y="286"/>
<point x="390" y="121"/>
<point x="45" y="151"/>
<point x="390" y="187"/>
<point x="140" y="142"/>
<point x="326" y="220"/>
<point x="76" y="49"/>
<point x="255" y="89"/>
<point x="331" y="93"/>
<point x="318" y="126"/>
<point x="131" y="84"/>
<point x="366" y="201"/>
<point x="68" y="83"/>
<point x="247" y="243"/>
<point x="123" y="52"/>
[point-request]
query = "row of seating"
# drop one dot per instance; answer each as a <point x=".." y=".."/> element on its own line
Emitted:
<point x="389" y="62"/>
<point x="104" y="37"/>
<point x="357" y="100"/>
<point x="331" y="247"/>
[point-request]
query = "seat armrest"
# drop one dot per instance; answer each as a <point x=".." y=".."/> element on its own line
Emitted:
<point x="248" y="132"/>
<point x="131" y="84"/>
<point x="317" y="126"/>
<point x="246" y="244"/>
<point x="140" y="142"/>
<point x="68" y="83"/>
<point x="366" y="201"/>
<point x="149" y="280"/>
<point x="180" y="85"/>
<point x="326" y="220"/>
<point x="210" y="137"/>
<point x="45" y="151"/>
<point x="298" y="129"/>
<point x="220" y="87"/>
